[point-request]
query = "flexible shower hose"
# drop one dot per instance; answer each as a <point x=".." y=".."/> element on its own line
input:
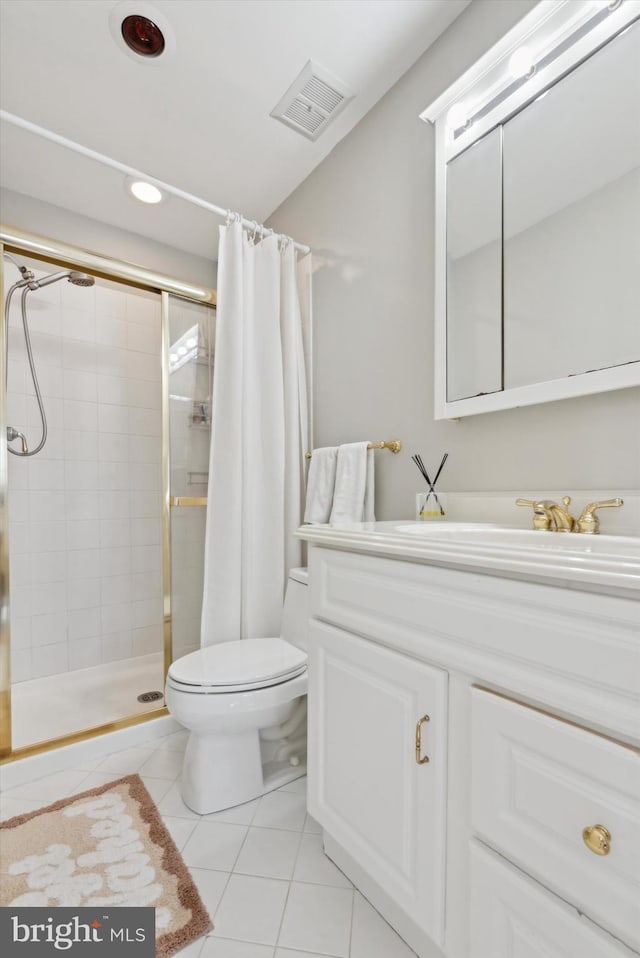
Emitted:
<point x="27" y="339"/>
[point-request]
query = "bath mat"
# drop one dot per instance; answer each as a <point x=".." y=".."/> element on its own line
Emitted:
<point x="80" y="838"/>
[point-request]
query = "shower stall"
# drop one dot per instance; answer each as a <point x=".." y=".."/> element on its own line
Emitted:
<point x="105" y="409"/>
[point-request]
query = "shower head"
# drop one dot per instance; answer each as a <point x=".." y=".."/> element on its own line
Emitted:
<point x="78" y="279"/>
<point x="81" y="279"/>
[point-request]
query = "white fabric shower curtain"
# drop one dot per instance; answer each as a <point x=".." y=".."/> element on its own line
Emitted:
<point x="258" y="440"/>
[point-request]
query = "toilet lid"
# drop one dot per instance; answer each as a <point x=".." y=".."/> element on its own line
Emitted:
<point x="248" y="662"/>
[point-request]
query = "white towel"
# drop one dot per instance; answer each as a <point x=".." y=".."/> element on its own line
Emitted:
<point x="354" y="488"/>
<point x="320" y="484"/>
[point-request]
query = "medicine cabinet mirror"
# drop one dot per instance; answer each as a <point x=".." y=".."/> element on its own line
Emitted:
<point x="538" y="214"/>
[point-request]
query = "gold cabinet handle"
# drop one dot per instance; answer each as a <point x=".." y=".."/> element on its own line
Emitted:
<point x="597" y="838"/>
<point x="421" y="760"/>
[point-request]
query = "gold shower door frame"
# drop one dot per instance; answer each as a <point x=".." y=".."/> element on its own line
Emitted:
<point x="72" y="257"/>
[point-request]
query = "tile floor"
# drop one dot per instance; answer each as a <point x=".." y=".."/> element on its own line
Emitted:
<point x="267" y="885"/>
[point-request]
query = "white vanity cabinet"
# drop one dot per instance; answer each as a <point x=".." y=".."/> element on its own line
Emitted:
<point x="531" y="688"/>
<point x="377" y="771"/>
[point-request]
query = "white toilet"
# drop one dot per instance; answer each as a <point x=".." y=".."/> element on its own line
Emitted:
<point x="244" y="703"/>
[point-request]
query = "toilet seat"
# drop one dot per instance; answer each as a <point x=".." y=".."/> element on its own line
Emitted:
<point x="239" y="666"/>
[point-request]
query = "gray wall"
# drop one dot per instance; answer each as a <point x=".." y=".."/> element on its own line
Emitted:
<point x="368" y="213"/>
<point x="34" y="216"/>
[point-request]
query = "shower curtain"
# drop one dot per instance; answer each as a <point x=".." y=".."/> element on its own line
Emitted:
<point x="258" y="440"/>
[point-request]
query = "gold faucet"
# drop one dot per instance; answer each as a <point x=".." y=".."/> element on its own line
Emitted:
<point x="541" y="516"/>
<point x="589" y="522"/>
<point x="549" y="516"/>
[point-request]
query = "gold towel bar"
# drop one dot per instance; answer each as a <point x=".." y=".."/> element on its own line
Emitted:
<point x="393" y="445"/>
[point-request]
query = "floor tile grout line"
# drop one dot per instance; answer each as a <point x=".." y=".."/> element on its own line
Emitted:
<point x="222" y="821"/>
<point x="312" y="884"/>
<point x="250" y="874"/>
<point x="213" y="917"/>
<point x="284" y="909"/>
<point x="286" y="900"/>
<point x="255" y="811"/>
<point x="274" y="828"/>
<point x="164" y="822"/>
<point x="233" y="872"/>
<point x="242" y="844"/>
<point x="277" y="945"/>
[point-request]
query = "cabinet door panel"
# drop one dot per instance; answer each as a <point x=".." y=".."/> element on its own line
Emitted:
<point x="514" y="917"/>
<point x="366" y="787"/>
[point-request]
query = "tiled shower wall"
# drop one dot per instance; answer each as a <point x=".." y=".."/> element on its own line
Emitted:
<point x="86" y="512"/>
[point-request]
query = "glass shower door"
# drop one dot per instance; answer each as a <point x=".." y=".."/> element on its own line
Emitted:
<point x="190" y="365"/>
<point x="85" y="513"/>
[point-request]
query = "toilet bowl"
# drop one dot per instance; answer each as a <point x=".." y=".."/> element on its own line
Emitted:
<point x="244" y="703"/>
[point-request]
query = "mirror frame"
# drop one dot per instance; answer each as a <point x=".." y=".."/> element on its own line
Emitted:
<point x="489" y="94"/>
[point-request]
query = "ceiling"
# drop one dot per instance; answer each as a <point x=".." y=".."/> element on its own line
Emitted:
<point x="198" y="116"/>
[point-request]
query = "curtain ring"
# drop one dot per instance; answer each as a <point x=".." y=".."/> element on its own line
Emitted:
<point x="254" y="234"/>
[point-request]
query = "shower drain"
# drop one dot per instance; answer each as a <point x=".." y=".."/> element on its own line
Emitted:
<point x="149" y="696"/>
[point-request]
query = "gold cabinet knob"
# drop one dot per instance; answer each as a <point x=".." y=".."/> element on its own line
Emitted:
<point x="597" y="838"/>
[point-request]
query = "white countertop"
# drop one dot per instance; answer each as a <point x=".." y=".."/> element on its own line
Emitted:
<point x="596" y="563"/>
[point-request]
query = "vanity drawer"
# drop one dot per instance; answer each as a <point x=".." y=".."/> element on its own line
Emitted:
<point x="537" y="782"/>
<point x="513" y="916"/>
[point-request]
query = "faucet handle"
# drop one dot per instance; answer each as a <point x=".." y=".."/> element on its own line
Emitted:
<point x="541" y="514"/>
<point x="589" y="522"/>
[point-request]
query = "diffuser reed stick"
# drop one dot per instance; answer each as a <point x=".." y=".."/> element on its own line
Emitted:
<point x="417" y="459"/>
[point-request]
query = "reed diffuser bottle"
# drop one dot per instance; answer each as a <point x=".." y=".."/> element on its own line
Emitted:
<point x="431" y="504"/>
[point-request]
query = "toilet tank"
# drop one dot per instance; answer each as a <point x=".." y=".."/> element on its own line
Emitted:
<point x="295" y="615"/>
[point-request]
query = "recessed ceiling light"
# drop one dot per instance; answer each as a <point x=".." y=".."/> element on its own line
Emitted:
<point x="145" y="192"/>
<point x="142" y="32"/>
<point x="142" y="35"/>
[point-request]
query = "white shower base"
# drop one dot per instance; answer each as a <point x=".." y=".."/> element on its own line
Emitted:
<point x="57" y="705"/>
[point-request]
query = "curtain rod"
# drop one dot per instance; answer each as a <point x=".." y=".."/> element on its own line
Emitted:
<point x="131" y="171"/>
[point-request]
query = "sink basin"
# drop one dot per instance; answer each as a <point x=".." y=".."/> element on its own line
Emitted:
<point x="602" y="563"/>
<point x="496" y="536"/>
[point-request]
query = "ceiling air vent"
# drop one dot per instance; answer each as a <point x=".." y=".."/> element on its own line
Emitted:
<point x="312" y="101"/>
